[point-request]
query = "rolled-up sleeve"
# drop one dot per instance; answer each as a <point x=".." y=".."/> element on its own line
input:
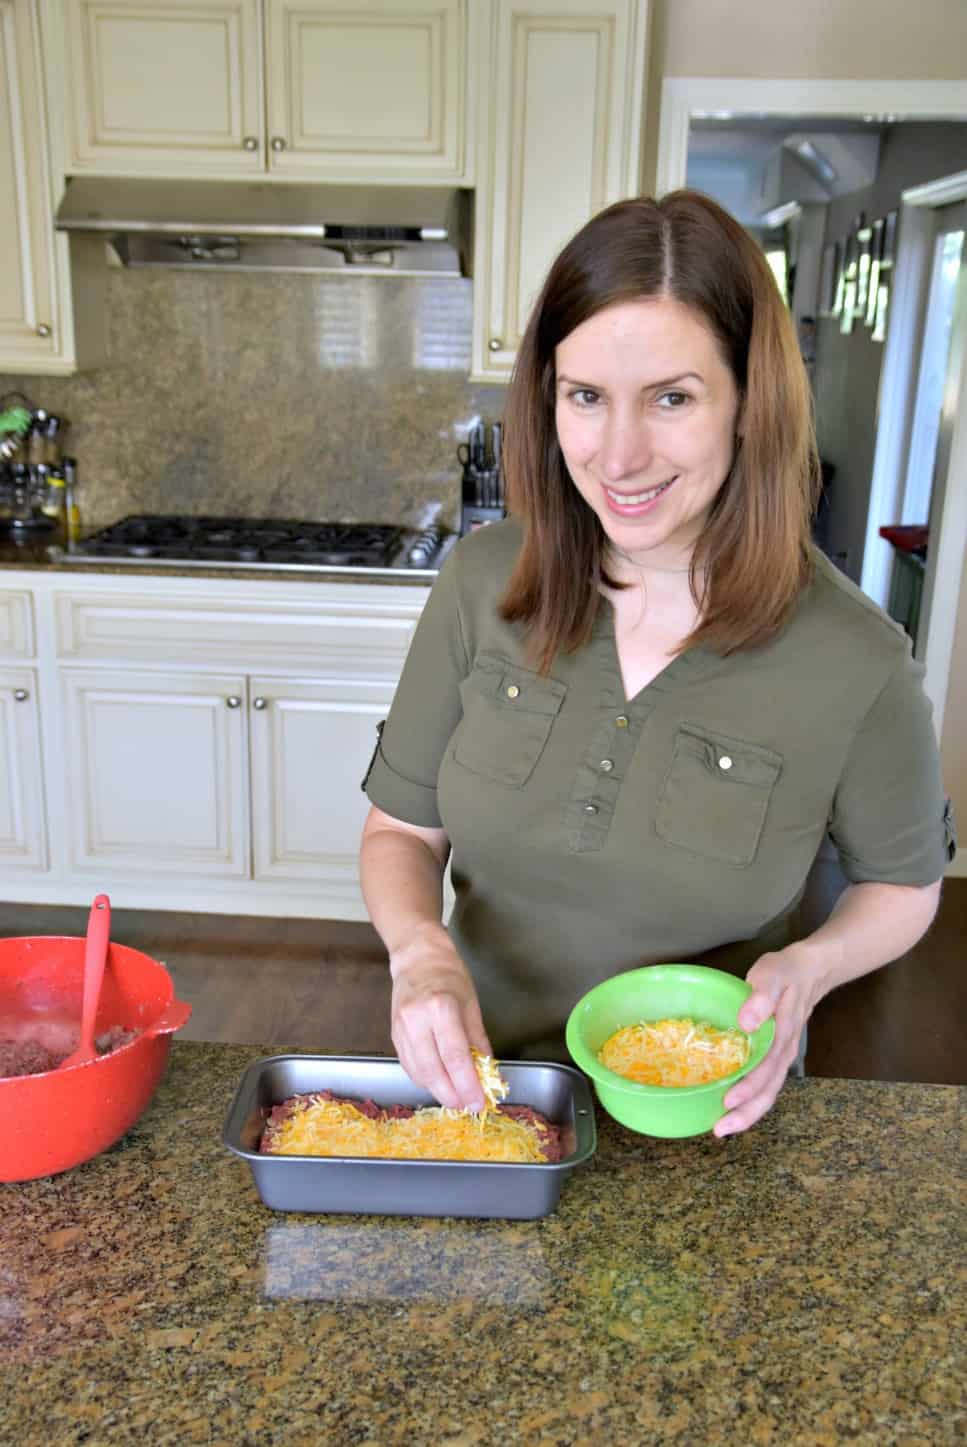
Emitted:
<point x="426" y="708"/>
<point x="891" y="822"/>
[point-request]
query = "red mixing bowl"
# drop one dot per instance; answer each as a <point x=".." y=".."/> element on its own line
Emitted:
<point x="56" y="1120"/>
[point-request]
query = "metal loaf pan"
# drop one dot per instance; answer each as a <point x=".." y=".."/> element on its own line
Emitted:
<point x="358" y="1185"/>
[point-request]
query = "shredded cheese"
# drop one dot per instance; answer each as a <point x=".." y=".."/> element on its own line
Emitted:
<point x="317" y="1127"/>
<point x="674" y="1052"/>
<point x="492" y="1083"/>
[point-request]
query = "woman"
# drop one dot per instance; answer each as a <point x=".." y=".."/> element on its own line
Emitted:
<point x="634" y="710"/>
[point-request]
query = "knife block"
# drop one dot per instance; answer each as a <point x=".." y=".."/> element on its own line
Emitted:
<point x="475" y="513"/>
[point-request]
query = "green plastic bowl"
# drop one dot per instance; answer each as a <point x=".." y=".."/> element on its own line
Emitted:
<point x="656" y="992"/>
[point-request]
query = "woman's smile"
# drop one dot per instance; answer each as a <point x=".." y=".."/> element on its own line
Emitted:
<point x="632" y="504"/>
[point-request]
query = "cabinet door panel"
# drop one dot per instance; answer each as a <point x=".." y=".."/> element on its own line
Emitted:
<point x="28" y="324"/>
<point x="23" y="834"/>
<point x="158" y="777"/>
<point x="563" y="142"/>
<point x="166" y="85"/>
<point x="311" y="744"/>
<point x="376" y="87"/>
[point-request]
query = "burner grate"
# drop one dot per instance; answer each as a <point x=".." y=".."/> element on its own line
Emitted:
<point x="245" y="540"/>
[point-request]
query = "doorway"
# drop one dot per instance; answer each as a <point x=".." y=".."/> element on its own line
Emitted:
<point x="688" y="103"/>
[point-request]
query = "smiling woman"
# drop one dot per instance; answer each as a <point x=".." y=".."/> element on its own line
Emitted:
<point x="634" y="710"/>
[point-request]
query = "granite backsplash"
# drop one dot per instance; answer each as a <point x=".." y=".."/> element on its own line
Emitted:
<point x="316" y="397"/>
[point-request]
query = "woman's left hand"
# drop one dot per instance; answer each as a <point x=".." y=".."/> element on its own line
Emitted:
<point x="783" y="985"/>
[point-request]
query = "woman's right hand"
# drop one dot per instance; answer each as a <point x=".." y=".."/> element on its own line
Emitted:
<point x="435" y="1018"/>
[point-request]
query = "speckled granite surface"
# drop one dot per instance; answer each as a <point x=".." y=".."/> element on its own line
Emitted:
<point x="797" y="1284"/>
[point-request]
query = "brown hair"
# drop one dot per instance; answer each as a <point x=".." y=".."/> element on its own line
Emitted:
<point x="756" y="544"/>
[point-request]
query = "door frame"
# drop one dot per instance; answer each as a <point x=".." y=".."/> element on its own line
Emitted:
<point x="734" y="97"/>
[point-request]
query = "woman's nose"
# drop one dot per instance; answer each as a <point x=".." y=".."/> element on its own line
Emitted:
<point x="625" y="447"/>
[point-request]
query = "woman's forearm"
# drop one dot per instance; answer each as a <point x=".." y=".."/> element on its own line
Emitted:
<point x="402" y="881"/>
<point x="870" y="925"/>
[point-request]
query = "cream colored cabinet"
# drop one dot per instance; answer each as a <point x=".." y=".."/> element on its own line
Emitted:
<point x="301" y="89"/>
<point x="29" y="324"/>
<point x="49" y="323"/>
<point x="169" y="86"/>
<point x="378" y="88"/>
<point x="311" y="745"/>
<point x="23" y="833"/>
<point x="157" y="773"/>
<point x="210" y="735"/>
<point x="559" y="140"/>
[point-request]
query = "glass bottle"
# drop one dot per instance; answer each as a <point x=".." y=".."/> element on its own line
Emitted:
<point x="71" y="506"/>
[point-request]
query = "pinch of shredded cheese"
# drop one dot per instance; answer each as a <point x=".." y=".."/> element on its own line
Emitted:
<point x="674" y="1052"/>
<point x="336" y="1128"/>
<point x="492" y="1083"/>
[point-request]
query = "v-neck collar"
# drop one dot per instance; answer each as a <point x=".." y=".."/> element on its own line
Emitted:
<point x="684" y="667"/>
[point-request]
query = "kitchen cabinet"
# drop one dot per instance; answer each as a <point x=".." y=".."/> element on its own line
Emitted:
<point x="204" y="738"/>
<point x="299" y="89"/>
<point x="39" y="331"/>
<point x="311" y="744"/>
<point x="23" y="825"/>
<point x="23" y="834"/>
<point x="157" y="772"/>
<point x="559" y="139"/>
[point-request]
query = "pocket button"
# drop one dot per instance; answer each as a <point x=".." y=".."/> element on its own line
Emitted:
<point x="725" y="762"/>
<point x="512" y="690"/>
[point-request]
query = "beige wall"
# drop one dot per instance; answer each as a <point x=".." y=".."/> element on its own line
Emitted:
<point x="814" y="39"/>
<point x="822" y="40"/>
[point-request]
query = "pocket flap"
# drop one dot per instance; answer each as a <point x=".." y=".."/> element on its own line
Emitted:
<point x="514" y="687"/>
<point x="731" y="760"/>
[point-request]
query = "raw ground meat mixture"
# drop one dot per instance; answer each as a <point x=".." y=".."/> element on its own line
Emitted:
<point x="29" y="1057"/>
<point x="550" y="1135"/>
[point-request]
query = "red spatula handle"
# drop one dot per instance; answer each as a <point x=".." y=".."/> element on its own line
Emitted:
<point x="95" y="955"/>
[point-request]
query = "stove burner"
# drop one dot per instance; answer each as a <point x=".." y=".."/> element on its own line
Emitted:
<point x="248" y="540"/>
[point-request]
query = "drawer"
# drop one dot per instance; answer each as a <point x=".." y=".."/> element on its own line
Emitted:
<point x="16" y="624"/>
<point x="355" y="636"/>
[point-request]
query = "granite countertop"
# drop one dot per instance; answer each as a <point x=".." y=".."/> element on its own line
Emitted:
<point x="795" y="1284"/>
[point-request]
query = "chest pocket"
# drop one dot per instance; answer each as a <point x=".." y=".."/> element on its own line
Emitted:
<point x="716" y="794"/>
<point x="507" y="716"/>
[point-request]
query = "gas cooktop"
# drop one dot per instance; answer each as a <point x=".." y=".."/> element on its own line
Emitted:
<point x="274" y="543"/>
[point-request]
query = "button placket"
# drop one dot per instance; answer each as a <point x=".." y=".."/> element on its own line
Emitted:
<point x="599" y="780"/>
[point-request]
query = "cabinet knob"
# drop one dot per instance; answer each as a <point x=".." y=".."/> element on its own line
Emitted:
<point x="251" y="143"/>
<point x="233" y="702"/>
<point x="495" y="344"/>
<point x="260" y="703"/>
<point x="20" y="694"/>
<point x="278" y="143"/>
<point x="43" y="330"/>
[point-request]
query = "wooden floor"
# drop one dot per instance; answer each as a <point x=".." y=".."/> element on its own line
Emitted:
<point x="323" y="985"/>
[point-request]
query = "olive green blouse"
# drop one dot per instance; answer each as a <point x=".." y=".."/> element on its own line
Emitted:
<point x="592" y="833"/>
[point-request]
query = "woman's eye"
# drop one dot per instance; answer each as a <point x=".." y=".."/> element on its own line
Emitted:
<point x="674" y="400"/>
<point x="584" y="396"/>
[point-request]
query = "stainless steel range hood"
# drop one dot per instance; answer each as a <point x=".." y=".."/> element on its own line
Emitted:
<point x="274" y="226"/>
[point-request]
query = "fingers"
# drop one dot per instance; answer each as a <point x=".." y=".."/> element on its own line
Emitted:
<point x="434" y="1050"/>
<point x="767" y="989"/>
<point x="752" y="1096"/>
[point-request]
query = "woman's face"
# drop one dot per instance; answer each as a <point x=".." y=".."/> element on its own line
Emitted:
<point x="646" y="413"/>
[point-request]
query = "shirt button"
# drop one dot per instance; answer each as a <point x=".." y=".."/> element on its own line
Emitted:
<point x="590" y="808"/>
<point x="621" y="721"/>
<point x="607" y="765"/>
<point x="725" y="762"/>
<point x="512" y="690"/>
